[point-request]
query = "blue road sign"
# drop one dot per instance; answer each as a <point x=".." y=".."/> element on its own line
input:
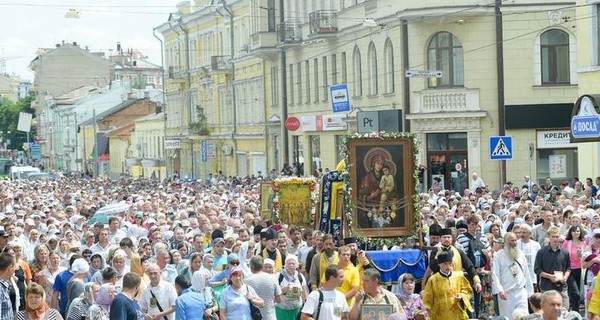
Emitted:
<point x="501" y="148"/>
<point x="340" y="98"/>
<point x="204" y="151"/>
<point x="585" y="126"/>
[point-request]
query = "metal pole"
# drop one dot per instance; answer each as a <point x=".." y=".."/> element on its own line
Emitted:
<point x="96" y="164"/>
<point x="284" y="98"/>
<point x="500" y="81"/>
<point x="164" y="105"/>
<point x="76" y="144"/>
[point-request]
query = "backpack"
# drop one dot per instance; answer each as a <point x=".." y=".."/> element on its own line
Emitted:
<point x="300" y="277"/>
<point x="474" y="249"/>
<point x="318" y="307"/>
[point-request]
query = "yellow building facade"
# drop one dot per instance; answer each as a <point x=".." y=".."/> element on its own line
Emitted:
<point x="453" y="116"/>
<point x="214" y="92"/>
<point x="588" y="62"/>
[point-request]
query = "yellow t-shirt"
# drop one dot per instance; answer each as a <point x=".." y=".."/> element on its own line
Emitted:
<point x="351" y="280"/>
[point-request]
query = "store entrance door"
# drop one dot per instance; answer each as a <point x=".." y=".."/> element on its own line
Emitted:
<point x="448" y="170"/>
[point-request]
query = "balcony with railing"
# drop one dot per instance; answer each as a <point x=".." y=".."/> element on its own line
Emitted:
<point x="446" y="100"/>
<point x="176" y="73"/>
<point x="220" y="64"/>
<point x="289" y="33"/>
<point x="263" y="40"/>
<point x="323" y="22"/>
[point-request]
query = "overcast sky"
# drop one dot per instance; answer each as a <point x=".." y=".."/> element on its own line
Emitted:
<point x="26" y="25"/>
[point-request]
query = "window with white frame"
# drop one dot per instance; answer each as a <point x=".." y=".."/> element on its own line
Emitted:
<point x="307" y="79"/>
<point x="555" y="57"/>
<point x="445" y="53"/>
<point x="274" y="86"/>
<point x="290" y="85"/>
<point x="334" y="79"/>
<point x="388" y="63"/>
<point x="344" y="68"/>
<point x="212" y="112"/>
<point x="193" y="50"/>
<point x="299" y="81"/>
<point x="325" y="83"/>
<point x="357" y="82"/>
<point x="372" y="69"/>
<point x="316" y="79"/>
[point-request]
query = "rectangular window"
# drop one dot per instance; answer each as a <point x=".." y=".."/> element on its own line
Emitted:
<point x="307" y="77"/>
<point x="558" y="164"/>
<point x="290" y="84"/>
<point x="325" y="83"/>
<point x="344" y="69"/>
<point x="333" y="69"/>
<point x="274" y="86"/>
<point x="316" y="79"/>
<point x="299" y="82"/>
<point x="297" y="149"/>
<point x="271" y="15"/>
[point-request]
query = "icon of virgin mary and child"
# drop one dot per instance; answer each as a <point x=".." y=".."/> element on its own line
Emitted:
<point x="378" y="193"/>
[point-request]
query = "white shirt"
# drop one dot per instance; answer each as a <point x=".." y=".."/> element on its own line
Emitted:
<point x="333" y="306"/>
<point x="530" y="250"/>
<point x="97" y="248"/>
<point x="165" y="294"/>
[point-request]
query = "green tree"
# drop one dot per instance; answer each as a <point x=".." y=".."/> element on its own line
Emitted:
<point x="200" y="126"/>
<point x="9" y="118"/>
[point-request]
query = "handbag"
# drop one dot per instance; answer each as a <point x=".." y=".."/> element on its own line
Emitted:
<point x="254" y="310"/>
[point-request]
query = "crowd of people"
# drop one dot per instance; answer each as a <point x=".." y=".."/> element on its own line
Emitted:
<point x="199" y="250"/>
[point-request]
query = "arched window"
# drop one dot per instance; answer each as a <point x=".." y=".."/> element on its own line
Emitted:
<point x="357" y="83"/>
<point x="388" y="65"/>
<point x="445" y="53"/>
<point x="555" y="57"/>
<point x="372" y="69"/>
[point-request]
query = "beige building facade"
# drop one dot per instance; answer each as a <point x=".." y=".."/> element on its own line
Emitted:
<point x="214" y="93"/>
<point x="453" y="116"/>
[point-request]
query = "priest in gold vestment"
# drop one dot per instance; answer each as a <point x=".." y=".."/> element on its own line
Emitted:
<point x="448" y="294"/>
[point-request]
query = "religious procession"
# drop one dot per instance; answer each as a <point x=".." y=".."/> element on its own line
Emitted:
<point x="360" y="242"/>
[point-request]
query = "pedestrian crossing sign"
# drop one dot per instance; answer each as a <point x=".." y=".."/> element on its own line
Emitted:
<point x="501" y="148"/>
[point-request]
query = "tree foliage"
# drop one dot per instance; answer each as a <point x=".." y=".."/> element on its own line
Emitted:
<point x="9" y="118"/>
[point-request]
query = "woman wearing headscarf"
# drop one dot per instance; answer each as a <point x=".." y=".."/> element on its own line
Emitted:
<point x="237" y="296"/>
<point x="48" y="275"/>
<point x="80" y="269"/>
<point x="411" y="302"/>
<point x="79" y="308"/>
<point x="117" y="262"/>
<point x="293" y="288"/>
<point x="195" y="262"/>
<point x="37" y="309"/>
<point x="97" y="264"/>
<point x="100" y="310"/>
<point x="138" y="266"/>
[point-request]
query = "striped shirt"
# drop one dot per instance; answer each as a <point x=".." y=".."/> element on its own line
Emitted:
<point x="267" y="287"/>
<point x="6" y="310"/>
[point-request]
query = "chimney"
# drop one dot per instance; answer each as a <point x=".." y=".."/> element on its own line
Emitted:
<point x="146" y="95"/>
